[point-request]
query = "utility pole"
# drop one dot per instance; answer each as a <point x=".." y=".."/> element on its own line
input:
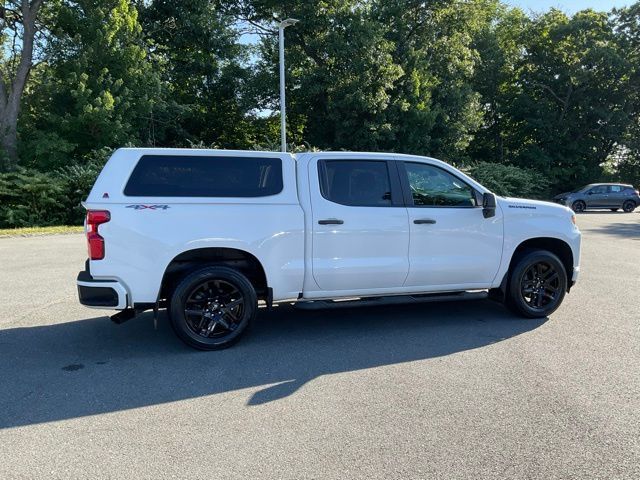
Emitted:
<point x="283" y="107"/>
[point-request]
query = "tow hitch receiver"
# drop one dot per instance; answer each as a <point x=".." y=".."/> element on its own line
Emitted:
<point x="123" y="316"/>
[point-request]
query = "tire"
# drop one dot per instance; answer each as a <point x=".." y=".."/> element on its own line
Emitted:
<point x="212" y="308"/>
<point x="614" y="209"/>
<point x="629" y="206"/>
<point x="579" y="206"/>
<point x="537" y="284"/>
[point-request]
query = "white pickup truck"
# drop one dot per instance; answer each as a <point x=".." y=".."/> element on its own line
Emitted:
<point x="208" y="234"/>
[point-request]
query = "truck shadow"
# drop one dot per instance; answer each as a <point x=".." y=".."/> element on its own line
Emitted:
<point x="90" y="367"/>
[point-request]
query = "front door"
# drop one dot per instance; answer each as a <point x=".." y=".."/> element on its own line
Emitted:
<point x="452" y="245"/>
<point x="598" y="197"/>
<point x="360" y="225"/>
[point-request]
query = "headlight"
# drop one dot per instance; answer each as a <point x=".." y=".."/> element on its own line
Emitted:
<point x="573" y="219"/>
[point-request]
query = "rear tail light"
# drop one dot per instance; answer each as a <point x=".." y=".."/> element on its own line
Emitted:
<point x="94" y="240"/>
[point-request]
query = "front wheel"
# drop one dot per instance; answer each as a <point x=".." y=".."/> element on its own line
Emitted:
<point x="579" y="206"/>
<point x="629" y="206"/>
<point x="211" y="308"/>
<point x="537" y="284"/>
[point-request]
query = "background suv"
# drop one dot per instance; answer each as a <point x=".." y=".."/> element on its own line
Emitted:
<point x="601" y="195"/>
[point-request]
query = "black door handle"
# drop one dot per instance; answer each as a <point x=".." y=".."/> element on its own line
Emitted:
<point x="331" y="221"/>
<point x="424" y="221"/>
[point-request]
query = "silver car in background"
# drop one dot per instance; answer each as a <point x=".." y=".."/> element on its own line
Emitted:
<point x="612" y="196"/>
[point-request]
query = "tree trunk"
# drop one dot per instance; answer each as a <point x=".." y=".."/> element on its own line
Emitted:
<point x="9" y="142"/>
<point x="11" y="95"/>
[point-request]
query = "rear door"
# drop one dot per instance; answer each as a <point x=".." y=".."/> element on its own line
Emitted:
<point x="360" y="226"/>
<point x="615" y="197"/>
<point x="452" y="245"/>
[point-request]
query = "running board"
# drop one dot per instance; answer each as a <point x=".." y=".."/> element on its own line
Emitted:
<point x="123" y="316"/>
<point x="391" y="300"/>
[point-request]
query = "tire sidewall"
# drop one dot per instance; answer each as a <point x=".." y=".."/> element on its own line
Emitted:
<point x="514" y="296"/>
<point x="182" y="292"/>
<point x="629" y="203"/>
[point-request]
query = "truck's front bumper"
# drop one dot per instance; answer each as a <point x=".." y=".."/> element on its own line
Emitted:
<point x="108" y="294"/>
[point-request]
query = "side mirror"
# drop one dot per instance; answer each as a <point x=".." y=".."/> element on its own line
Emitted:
<point x="489" y="205"/>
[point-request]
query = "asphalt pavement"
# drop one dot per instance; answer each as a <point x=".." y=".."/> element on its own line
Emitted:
<point x="453" y="391"/>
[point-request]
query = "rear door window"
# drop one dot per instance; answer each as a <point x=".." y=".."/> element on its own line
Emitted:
<point x="205" y="176"/>
<point x="357" y="183"/>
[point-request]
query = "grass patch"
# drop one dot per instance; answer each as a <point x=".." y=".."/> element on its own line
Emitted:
<point x="35" y="231"/>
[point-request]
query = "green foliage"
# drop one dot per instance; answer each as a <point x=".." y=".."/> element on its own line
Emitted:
<point x="536" y="103"/>
<point x="509" y="180"/>
<point x="97" y="89"/>
<point x="558" y="91"/>
<point x="32" y="198"/>
<point x="203" y="72"/>
<point x="29" y="197"/>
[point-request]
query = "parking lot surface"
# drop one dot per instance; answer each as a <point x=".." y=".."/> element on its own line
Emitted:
<point x="455" y="390"/>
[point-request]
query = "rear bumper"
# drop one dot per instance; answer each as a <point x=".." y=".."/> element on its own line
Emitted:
<point x="106" y="294"/>
<point x="574" y="277"/>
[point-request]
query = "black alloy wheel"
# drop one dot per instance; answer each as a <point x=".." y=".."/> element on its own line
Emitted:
<point x="211" y="308"/>
<point x="214" y="309"/>
<point x="579" y="206"/>
<point x="537" y="284"/>
<point x="540" y="285"/>
<point x="629" y="206"/>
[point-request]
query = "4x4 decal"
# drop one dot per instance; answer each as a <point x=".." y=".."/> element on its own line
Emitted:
<point x="148" y="207"/>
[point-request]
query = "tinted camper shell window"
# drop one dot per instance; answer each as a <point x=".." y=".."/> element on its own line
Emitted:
<point x="205" y="176"/>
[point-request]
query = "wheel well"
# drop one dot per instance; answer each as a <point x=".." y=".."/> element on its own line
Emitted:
<point x="556" y="246"/>
<point x="191" y="260"/>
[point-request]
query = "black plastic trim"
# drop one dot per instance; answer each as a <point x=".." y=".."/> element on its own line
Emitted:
<point x="144" y="306"/>
<point x="97" y="296"/>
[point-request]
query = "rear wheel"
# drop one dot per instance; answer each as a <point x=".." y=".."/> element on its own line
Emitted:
<point x="537" y="284"/>
<point x="629" y="206"/>
<point x="211" y="308"/>
<point x="579" y="206"/>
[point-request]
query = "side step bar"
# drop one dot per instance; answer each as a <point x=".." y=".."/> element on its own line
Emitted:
<point x="391" y="300"/>
<point x="123" y="316"/>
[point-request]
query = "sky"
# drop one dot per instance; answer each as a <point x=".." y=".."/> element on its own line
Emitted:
<point x="569" y="6"/>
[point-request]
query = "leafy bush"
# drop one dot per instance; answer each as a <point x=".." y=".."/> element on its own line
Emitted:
<point x="509" y="181"/>
<point x="30" y="198"/>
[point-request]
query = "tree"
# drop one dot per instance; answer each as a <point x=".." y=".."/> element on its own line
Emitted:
<point x="97" y="88"/>
<point x="627" y="164"/>
<point x="339" y="67"/>
<point x="567" y="104"/>
<point x="18" y="25"/>
<point x="500" y="46"/>
<point x="204" y="73"/>
<point x="435" y="106"/>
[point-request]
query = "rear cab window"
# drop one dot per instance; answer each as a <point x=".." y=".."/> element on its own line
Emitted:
<point x="205" y="176"/>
